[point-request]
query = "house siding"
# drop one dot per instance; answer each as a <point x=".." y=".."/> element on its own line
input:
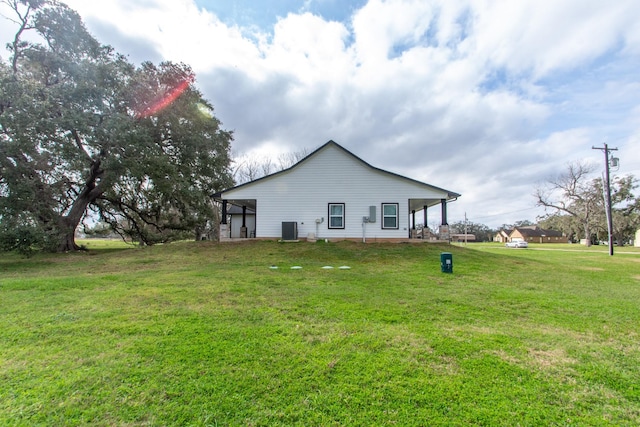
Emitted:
<point x="303" y="193"/>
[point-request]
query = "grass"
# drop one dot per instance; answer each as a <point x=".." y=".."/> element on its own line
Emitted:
<point x="206" y="334"/>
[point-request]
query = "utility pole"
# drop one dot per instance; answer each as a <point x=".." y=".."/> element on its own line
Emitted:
<point x="465" y="229"/>
<point x="607" y="186"/>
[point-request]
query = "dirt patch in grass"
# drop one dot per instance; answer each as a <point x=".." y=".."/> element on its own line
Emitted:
<point x="558" y="335"/>
<point x="445" y="365"/>
<point x="507" y="357"/>
<point x="550" y="358"/>
<point x="591" y="268"/>
<point x="538" y="358"/>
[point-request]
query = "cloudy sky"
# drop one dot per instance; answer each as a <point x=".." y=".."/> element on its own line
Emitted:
<point x="486" y="98"/>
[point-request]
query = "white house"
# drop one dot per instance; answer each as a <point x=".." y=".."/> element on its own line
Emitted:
<point x="333" y="194"/>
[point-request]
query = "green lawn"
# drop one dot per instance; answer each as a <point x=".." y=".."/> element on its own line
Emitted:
<point x="205" y="334"/>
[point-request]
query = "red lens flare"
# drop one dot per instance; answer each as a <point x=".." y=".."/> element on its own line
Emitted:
<point x="165" y="101"/>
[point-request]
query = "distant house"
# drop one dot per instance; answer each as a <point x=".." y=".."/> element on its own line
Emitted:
<point x="502" y="236"/>
<point x="535" y="234"/>
<point x="461" y="237"/>
<point x="333" y="194"/>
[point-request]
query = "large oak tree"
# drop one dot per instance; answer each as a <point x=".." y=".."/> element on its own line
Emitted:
<point x="83" y="130"/>
<point x="577" y="203"/>
<point x="574" y="193"/>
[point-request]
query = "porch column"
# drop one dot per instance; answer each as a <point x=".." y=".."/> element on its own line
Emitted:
<point x="413" y="233"/>
<point x="243" y="229"/>
<point x="443" y="205"/>
<point x="424" y="212"/>
<point x="223" y="234"/>
<point x="224" y="212"/>
<point x="244" y="216"/>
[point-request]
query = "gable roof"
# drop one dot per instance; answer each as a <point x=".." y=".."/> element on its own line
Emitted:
<point x="450" y="194"/>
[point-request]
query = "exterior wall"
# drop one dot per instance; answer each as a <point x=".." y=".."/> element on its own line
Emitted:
<point x="236" y="223"/>
<point x="368" y="241"/>
<point x="554" y="239"/>
<point x="516" y="235"/>
<point x="501" y="237"/>
<point x="303" y="194"/>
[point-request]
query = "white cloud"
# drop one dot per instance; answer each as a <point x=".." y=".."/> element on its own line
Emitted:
<point x="177" y="29"/>
<point x="540" y="37"/>
<point x="481" y="97"/>
<point x="381" y="26"/>
<point x="308" y="48"/>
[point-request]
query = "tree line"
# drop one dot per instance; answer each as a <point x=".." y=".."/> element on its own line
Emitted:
<point x="576" y="206"/>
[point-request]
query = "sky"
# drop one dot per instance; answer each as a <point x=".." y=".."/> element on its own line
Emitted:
<point x="486" y="98"/>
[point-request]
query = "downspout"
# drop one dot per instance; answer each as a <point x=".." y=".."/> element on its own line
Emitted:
<point x="364" y="229"/>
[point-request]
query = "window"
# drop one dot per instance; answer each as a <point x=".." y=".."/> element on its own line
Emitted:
<point x="390" y="215"/>
<point x="336" y="215"/>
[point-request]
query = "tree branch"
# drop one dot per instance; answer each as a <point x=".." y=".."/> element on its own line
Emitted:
<point x="78" y="141"/>
<point x="23" y="22"/>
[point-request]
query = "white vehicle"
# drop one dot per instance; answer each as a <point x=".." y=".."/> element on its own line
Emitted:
<point x="517" y="244"/>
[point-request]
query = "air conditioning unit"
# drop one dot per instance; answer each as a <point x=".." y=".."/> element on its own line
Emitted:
<point x="289" y="231"/>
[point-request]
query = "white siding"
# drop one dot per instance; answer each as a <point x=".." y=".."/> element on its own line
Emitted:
<point x="331" y="175"/>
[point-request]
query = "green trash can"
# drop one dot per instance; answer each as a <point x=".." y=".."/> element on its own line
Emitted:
<point x="446" y="262"/>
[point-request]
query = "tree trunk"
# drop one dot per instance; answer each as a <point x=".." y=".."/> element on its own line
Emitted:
<point x="587" y="235"/>
<point x="69" y="223"/>
<point x="67" y="241"/>
<point x="587" y="230"/>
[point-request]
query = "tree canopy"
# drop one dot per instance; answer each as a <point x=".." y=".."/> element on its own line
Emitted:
<point x="84" y="130"/>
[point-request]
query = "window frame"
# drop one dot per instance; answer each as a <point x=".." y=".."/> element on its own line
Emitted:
<point x="396" y="216"/>
<point x="342" y="217"/>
